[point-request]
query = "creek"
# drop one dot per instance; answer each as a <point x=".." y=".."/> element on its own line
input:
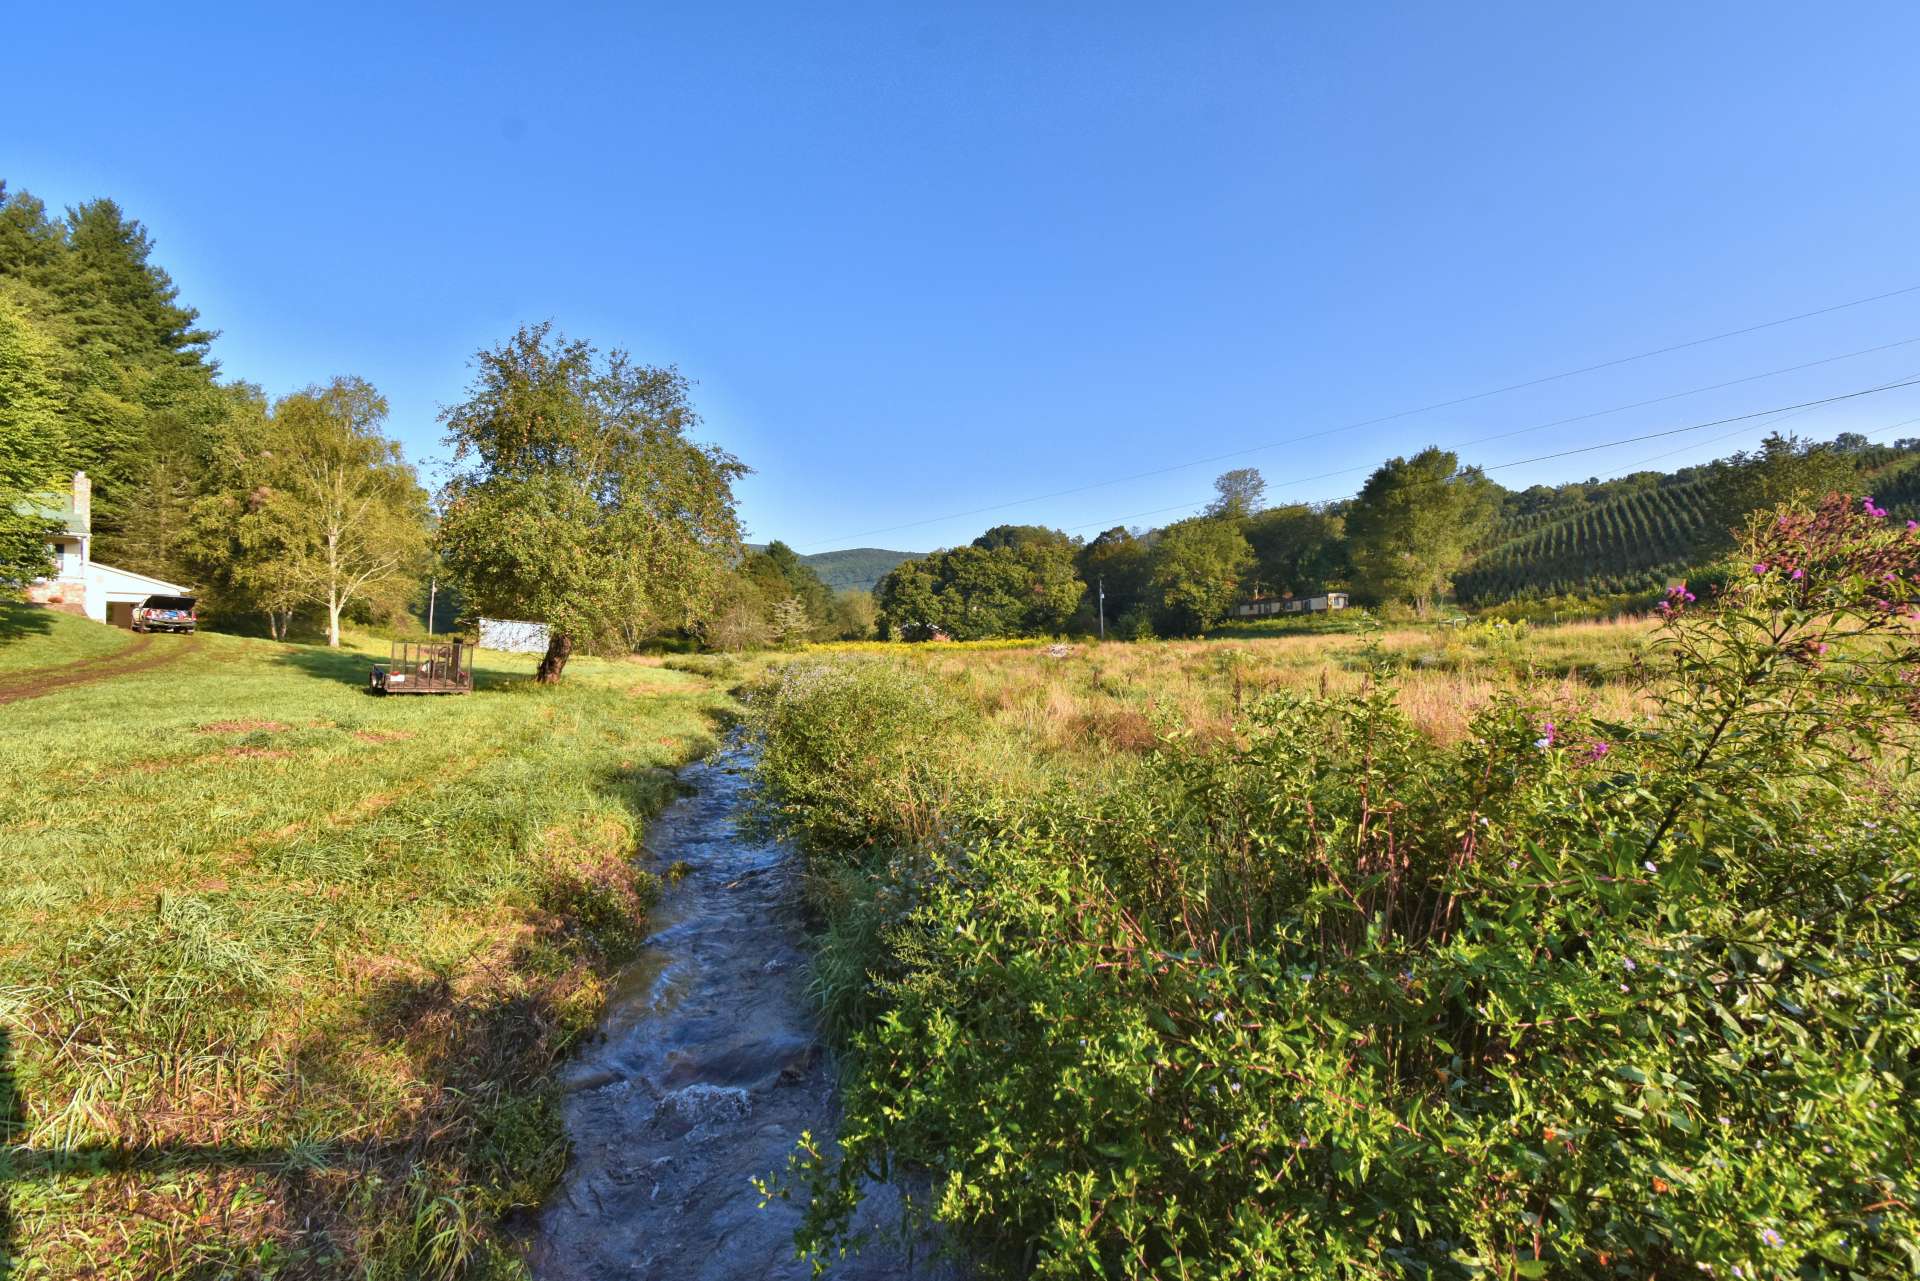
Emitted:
<point x="707" y="1067"/>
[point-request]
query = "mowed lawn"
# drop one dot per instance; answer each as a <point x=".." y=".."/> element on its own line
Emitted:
<point x="285" y="967"/>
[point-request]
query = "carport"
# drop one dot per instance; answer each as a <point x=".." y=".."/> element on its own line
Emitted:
<point x="112" y="593"/>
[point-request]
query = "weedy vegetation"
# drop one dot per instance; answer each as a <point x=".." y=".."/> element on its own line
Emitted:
<point x="1334" y="964"/>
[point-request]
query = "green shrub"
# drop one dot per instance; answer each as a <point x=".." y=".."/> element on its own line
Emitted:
<point x="1568" y="998"/>
<point x="852" y="751"/>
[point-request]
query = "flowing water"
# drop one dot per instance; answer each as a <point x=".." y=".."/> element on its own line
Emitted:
<point x="708" y="1067"/>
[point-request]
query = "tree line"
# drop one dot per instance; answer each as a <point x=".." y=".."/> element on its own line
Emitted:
<point x="266" y="506"/>
<point x="1422" y="529"/>
<point x="576" y="496"/>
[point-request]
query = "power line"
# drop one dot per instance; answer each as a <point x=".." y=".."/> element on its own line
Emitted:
<point x="1691" y="391"/>
<point x="1403" y="413"/>
<point x="1564" y="453"/>
<point x="1733" y="435"/>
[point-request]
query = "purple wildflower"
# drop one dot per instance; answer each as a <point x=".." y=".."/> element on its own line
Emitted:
<point x="1797" y="575"/>
<point x="1760" y="568"/>
<point x="1772" y="1238"/>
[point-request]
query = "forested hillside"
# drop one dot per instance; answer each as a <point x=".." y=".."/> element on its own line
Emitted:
<point x="856" y="568"/>
<point x="850" y="569"/>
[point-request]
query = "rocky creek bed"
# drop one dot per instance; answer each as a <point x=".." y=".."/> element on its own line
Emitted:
<point x="707" y="1068"/>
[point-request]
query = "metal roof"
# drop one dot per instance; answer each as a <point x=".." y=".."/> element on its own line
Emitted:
<point x="54" y="507"/>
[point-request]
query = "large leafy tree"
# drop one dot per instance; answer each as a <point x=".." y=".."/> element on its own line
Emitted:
<point x="1413" y="523"/>
<point x="775" y="575"/>
<point x="1014" y="580"/>
<point x="1194" y="571"/>
<point x="340" y="519"/>
<point x="1238" y="494"/>
<point x="1298" y="548"/>
<point x="1783" y="469"/>
<point x="129" y="353"/>
<point x="1115" y="562"/>
<point x="579" y="499"/>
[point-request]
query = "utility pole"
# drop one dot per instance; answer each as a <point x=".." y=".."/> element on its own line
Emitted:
<point x="433" y="593"/>
<point x="1103" y="607"/>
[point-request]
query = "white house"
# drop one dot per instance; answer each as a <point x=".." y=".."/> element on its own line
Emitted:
<point x="79" y="584"/>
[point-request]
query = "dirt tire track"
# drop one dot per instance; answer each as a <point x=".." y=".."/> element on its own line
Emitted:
<point x="127" y="662"/>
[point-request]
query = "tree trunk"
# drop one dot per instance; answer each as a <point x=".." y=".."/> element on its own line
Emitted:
<point x="333" y="624"/>
<point x="559" y="650"/>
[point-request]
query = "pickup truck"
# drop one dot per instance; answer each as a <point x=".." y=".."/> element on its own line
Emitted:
<point x="165" y="614"/>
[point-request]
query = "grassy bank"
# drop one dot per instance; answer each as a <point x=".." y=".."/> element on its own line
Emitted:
<point x="284" y="967"/>
<point x="1583" y="952"/>
<point x="32" y="638"/>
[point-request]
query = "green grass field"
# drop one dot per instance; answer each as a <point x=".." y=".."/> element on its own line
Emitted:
<point x="284" y="967"/>
<point x="31" y="637"/>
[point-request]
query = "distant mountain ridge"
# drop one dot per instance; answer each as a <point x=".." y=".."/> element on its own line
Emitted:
<point x="858" y="568"/>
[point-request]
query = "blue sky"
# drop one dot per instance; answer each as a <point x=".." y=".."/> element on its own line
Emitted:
<point x="924" y="260"/>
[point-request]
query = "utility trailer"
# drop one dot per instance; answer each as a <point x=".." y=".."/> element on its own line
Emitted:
<point x="424" y="667"/>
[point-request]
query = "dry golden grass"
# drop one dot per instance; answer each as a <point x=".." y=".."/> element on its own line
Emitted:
<point x="1119" y="696"/>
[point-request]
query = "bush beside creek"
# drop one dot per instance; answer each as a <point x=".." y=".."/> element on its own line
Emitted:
<point x="1327" y="996"/>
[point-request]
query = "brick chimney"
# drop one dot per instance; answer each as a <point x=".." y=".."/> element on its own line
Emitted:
<point x="83" y="499"/>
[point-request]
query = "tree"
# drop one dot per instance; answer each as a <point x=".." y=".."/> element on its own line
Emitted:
<point x="854" y="614"/>
<point x="1194" y="572"/>
<point x="1783" y="469"/>
<point x="1014" y="580"/>
<point x="789" y="623"/>
<point x="1119" y="561"/>
<point x="34" y="452"/>
<point x="578" y="499"/>
<point x="1411" y="526"/>
<point x="1239" y="494"/>
<point x="128" y="349"/>
<point x="341" y="519"/>
<point x="776" y="574"/>
<point x="1298" y="548"/>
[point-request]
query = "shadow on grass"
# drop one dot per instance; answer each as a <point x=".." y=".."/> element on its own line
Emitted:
<point x="18" y="622"/>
